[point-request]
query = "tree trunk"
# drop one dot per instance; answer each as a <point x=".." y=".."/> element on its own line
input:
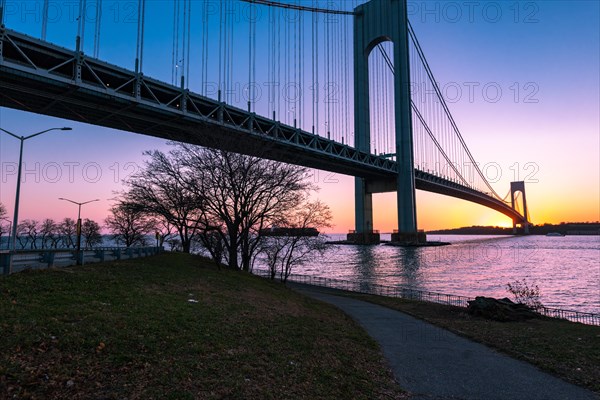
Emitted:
<point x="233" y="254"/>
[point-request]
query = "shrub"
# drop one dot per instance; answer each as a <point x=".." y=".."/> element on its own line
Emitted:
<point x="525" y="293"/>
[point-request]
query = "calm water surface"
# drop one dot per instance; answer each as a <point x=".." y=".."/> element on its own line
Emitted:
<point x="566" y="269"/>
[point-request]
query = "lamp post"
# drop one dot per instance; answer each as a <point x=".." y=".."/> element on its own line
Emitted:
<point x="79" y="258"/>
<point x="13" y="239"/>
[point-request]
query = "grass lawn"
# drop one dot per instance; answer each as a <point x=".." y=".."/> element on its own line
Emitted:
<point x="565" y="349"/>
<point x="174" y="327"/>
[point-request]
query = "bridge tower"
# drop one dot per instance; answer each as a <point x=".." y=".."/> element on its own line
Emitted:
<point x="514" y="188"/>
<point x="375" y="22"/>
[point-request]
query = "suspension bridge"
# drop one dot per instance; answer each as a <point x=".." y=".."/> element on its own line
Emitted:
<point x="346" y="90"/>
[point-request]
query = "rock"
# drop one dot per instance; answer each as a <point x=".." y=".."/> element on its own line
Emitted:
<point x="500" y="309"/>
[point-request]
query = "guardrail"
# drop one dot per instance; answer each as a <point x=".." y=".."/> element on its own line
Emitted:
<point x="422" y="295"/>
<point x="48" y="258"/>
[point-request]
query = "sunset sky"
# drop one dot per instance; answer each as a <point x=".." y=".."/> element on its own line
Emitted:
<point x="543" y="128"/>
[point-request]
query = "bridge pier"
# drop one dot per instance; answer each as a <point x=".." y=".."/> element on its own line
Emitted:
<point x="363" y="215"/>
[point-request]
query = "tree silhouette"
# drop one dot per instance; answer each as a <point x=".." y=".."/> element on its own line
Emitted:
<point x="129" y="225"/>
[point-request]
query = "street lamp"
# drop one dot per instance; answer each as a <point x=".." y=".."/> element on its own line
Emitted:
<point x="79" y="258"/>
<point x="13" y="239"/>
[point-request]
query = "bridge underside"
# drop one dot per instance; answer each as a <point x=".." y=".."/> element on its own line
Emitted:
<point x="45" y="79"/>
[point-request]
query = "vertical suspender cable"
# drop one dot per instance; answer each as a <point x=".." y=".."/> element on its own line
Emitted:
<point x="328" y="67"/>
<point x="388" y="104"/>
<point x="98" y="28"/>
<point x="313" y="75"/>
<point x="220" y="88"/>
<point x="374" y="110"/>
<point x="273" y="61"/>
<point x="174" y="54"/>
<point x="82" y="18"/>
<point x="226" y="87"/>
<point x="206" y="51"/>
<point x="79" y="41"/>
<point x="299" y="84"/>
<point x="255" y="16"/>
<point x="289" y="65"/>
<point x="278" y="64"/>
<point x="203" y="49"/>
<point x="316" y="84"/>
<point x="251" y="57"/>
<point x="183" y="75"/>
<point x="44" y="19"/>
<point x="187" y="50"/>
<point x="2" y="8"/>
<point x="334" y="79"/>
<point x="295" y="75"/>
<point x="340" y="83"/>
<point x="384" y="103"/>
<point x="269" y="61"/>
<point x="346" y="82"/>
<point x="231" y="22"/>
<point x="249" y="87"/>
<point x="140" y="37"/>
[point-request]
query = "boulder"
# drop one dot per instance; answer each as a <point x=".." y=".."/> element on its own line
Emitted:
<point x="500" y="309"/>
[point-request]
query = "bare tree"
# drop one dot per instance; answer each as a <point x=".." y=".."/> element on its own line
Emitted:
<point x="27" y="233"/>
<point x="294" y="244"/>
<point x="90" y="230"/>
<point x="165" y="230"/>
<point x="158" y="190"/>
<point x="174" y="244"/>
<point x="212" y="240"/>
<point x="67" y="231"/>
<point x="129" y="225"/>
<point x="48" y="233"/>
<point x="3" y="219"/>
<point x="239" y="196"/>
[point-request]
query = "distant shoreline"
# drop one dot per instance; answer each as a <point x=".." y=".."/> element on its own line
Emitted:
<point x="569" y="229"/>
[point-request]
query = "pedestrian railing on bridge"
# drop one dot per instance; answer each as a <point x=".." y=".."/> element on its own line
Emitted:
<point x="421" y="295"/>
<point x="48" y="258"/>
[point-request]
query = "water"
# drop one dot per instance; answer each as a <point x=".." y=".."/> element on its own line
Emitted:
<point x="566" y="269"/>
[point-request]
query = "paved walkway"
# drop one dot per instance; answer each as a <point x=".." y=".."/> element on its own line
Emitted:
<point x="433" y="363"/>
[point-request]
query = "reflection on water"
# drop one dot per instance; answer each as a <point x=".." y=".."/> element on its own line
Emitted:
<point x="365" y="266"/>
<point x="566" y="269"/>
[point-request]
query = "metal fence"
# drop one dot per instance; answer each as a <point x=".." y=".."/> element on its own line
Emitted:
<point x="48" y="258"/>
<point x="421" y="295"/>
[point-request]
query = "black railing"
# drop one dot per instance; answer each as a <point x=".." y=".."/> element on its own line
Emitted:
<point x="422" y="295"/>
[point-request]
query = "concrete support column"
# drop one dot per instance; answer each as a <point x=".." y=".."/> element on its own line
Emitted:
<point x="363" y="207"/>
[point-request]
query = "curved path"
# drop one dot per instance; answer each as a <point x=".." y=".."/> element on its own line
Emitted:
<point x="433" y="363"/>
